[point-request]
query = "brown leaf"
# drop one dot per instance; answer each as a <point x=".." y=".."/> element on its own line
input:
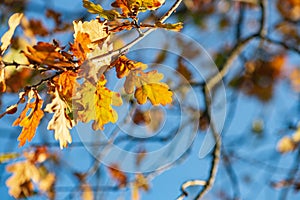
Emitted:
<point x="47" y="54"/>
<point x="118" y="175"/>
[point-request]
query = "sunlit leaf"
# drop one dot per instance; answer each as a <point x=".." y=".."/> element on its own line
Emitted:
<point x="148" y="86"/>
<point x="47" y="54"/>
<point x="60" y="123"/>
<point x="30" y="117"/>
<point x="124" y="66"/>
<point x="97" y="9"/>
<point x="97" y="102"/>
<point x="13" y="22"/>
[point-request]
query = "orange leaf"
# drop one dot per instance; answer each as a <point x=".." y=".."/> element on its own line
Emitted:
<point x="124" y="66"/>
<point x="31" y="121"/>
<point x="66" y="83"/>
<point x="80" y="47"/>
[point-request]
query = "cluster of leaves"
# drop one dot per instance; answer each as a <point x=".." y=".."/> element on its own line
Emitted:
<point x="64" y="69"/>
<point x="31" y="175"/>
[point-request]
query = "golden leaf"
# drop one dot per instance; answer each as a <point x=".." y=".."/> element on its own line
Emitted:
<point x="97" y="104"/>
<point x="13" y="22"/>
<point x="148" y="87"/>
<point x="157" y="93"/>
<point x="80" y="47"/>
<point x="97" y="9"/>
<point x="31" y="121"/>
<point x="66" y="84"/>
<point x="60" y="122"/>
<point x="140" y="182"/>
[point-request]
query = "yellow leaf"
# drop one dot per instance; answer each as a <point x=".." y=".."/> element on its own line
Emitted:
<point x="80" y="47"/>
<point x="148" y="87"/>
<point x="97" y="104"/>
<point x="157" y="93"/>
<point x="97" y="9"/>
<point x="31" y="121"/>
<point x="60" y="122"/>
<point x="13" y="22"/>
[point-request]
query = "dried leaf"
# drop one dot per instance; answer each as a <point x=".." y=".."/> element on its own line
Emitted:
<point x="97" y="9"/>
<point x="47" y="54"/>
<point x="97" y="104"/>
<point x="13" y="22"/>
<point x="140" y="183"/>
<point x="60" y="122"/>
<point x="30" y="121"/>
<point x="20" y="183"/>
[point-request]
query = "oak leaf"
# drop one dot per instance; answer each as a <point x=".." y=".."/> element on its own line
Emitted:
<point x="60" y="123"/>
<point x="148" y="86"/>
<point x="66" y="84"/>
<point x="96" y="29"/>
<point x="2" y="79"/>
<point x="20" y="183"/>
<point x="97" y="102"/>
<point x="47" y="54"/>
<point x="97" y="9"/>
<point x="124" y="66"/>
<point x="30" y="121"/>
<point x="80" y="47"/>
<point x="132" y="7"/>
